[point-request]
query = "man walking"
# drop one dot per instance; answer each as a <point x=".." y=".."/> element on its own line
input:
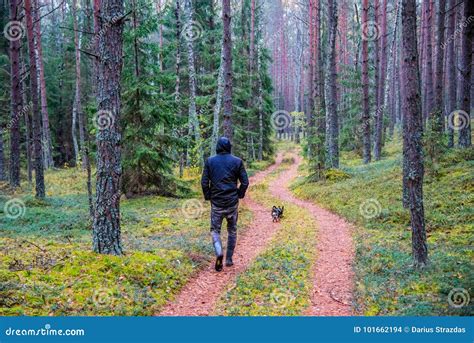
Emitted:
<point x="219" y="185"/>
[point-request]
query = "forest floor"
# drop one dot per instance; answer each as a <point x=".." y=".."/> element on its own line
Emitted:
<point x="311" y="263"/>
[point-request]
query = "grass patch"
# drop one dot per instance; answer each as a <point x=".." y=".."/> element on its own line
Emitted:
<point x="386" y="284"/>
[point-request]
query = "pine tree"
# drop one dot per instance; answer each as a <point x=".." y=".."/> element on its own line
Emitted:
<point x="106" y="228"/>
<point x="16" y="100"/>
<point x="466" y="69"/>
<point x="228" y="73"/>
<point x="365" y="84"/>
<point x="413" y="131"/>
<point x="332" y="115"/>
<point x="37" y="132"/>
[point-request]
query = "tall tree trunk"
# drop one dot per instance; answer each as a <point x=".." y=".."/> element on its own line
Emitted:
<point x="228" y="74"/>
<point x="260" y="103"/>
<point x="376" y="68"/>
<point x="312" y="79"/>
<point x="252" y="36"/>
<point x="74" y="135"/>
<point x="106" y="228"/>
<point x="466" y="69"/>
<point x="194" y="128"/>
<point x="365" y="89"/>
<point x="259" y="56"/>
<point x="16" y="100"/>
<point x="333" y="120"/>
<point x="451" y="68"/>
<point x="394" y="75"/>
<point x="414" y="132"/>
<point x="379" y="129"/>
<point x="177" y="90"/>
<point x="77" y="94"/>
<point x="77" y="108"/>
<point x="218" y="104"/>
<point x="438" y="110"/>
<point x="46" y="133"/>
<point x="26" y="114"/>
<point x="317" y="88"/>
<point x="37" y="132"/>
<point x="428" y="60"/>
<point x="159" y="7"/>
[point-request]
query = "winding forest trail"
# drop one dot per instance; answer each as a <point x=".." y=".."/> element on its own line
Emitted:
<point x="333" y="275"/>
<point x="332" y="272"/>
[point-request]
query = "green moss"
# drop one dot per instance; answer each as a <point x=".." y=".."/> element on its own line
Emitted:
<point x="72" y="281"/>
<point x="336" y="175"/>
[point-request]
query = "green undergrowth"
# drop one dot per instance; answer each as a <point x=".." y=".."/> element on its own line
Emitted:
<point x="68" y="279"/>
<point x="279" y="281"/>
<point x="386" y="283"/>
<point x="47" y="266"/>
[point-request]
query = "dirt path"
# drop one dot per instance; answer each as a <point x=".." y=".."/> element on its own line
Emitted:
<point x="333" y="273"/>
<point x="199" y="296"/>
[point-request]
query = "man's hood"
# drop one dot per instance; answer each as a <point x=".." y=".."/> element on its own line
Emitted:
<point x="223" y="146"/>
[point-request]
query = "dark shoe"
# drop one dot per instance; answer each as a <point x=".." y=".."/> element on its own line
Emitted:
<point x="231" y="242"/>
<point x="219" y="265"/>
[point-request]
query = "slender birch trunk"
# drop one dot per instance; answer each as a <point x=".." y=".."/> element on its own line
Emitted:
<point x="218" y="104"/>
<point x="194" y="129"/>
<point x="177" y="90"/>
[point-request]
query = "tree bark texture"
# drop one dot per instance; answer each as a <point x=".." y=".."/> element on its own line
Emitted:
<point x="228" y="74"/>
<point x="413" y="133"/>
<point x="106" y="228"/>
<point x="37" y="131"/>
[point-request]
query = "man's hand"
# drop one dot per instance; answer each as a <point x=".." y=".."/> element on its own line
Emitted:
<point x="244" y="180"/>
<point x="205" y="182"/>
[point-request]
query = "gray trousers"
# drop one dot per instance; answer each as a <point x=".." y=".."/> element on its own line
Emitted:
<point x="231" y="214"/>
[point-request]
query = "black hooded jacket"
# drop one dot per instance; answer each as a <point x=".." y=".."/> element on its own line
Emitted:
<point x="220" y="176"/>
